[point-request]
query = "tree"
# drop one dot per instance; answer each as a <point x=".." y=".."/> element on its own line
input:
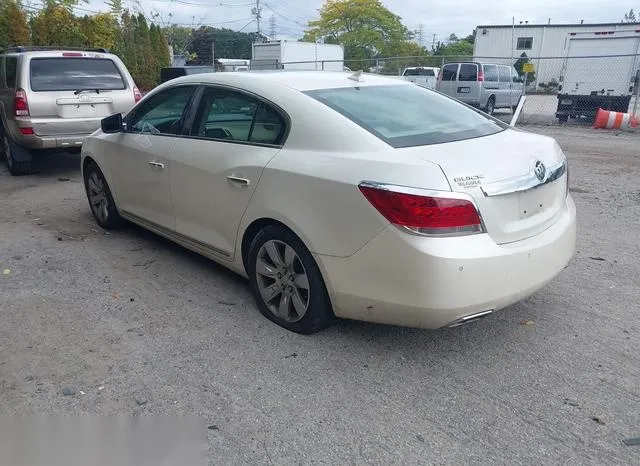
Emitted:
<point x="147" y="65"/>
<point x="125" y="48"/>
<point x="228" y="44"/>
<point x="56" y="25"/>
<point x="519" y="65"/>
<point x="178" y="37"/>
<point x="160" y="51"/>
<point x="630" y="17"/>
<point x="100" y="30"/>
<point x="14" y="29"/>
<point x="366" y="28"/>
<point x="458" y="50"/>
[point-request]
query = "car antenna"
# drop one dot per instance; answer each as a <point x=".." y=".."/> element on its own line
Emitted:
<point x="356" y="76"/>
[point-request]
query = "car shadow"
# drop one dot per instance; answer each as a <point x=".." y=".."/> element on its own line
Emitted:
<point x="56" y="164"/>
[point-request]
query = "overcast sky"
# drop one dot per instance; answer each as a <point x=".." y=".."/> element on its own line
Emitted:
<point x="439" y="17"/>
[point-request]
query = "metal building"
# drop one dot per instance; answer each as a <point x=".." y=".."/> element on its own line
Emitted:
<point x="544" y="43"/>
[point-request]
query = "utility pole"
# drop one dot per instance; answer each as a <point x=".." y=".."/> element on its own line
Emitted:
<point x="433" y="44"/>
<point x="257" y="12"/>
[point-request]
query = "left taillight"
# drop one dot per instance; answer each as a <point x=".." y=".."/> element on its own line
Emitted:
<point x="20" y="104"/>
<point x="136" y="94"/>
<point x="424" y="212"/>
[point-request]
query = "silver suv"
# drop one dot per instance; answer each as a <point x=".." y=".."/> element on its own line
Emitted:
<point x="53" y="99"/>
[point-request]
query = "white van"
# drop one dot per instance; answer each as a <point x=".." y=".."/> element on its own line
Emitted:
<point x="486" y="86"/>
<point x="423" y="76"/>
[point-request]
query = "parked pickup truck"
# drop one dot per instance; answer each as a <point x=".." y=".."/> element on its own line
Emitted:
<point x="423" y="76"/>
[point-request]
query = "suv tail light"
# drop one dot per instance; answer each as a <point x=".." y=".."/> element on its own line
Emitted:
<point x="480" y="74"/>
<point x="425" y="212"/>
<point x="136" y="94"/>
<point x="20" y="105"/>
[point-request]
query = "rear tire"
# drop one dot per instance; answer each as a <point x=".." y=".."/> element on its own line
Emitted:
<point x="101" y="202"/>
<point x="491" y="106"/>
<point x="287" y="283"/>
<point x="563" y="119"/>
<point x="16" y="167"/>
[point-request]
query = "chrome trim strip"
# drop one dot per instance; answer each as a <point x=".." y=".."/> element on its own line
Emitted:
<point x="468" y="319"/>
<point x="429" y="193"/>
<point x="524" y="182"/>
<point x="175" y="236"/>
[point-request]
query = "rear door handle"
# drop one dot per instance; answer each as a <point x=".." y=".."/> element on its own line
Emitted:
<point x="238" y="180"/>
<point x="157" y="165"/>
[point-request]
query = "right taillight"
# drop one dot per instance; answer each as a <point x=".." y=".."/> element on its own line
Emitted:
<point x="20" y="105"/>
<point x="136" y="94"/>
<point x="424" y="212"/>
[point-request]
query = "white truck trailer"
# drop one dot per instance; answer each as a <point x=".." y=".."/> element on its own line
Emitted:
<point x="294" y="55"/>
<point x="607" y="80"/>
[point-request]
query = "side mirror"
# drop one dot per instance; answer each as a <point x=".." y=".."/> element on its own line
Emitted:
<point x="112" y="124"/>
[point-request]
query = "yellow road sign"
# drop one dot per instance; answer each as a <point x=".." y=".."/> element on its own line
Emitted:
<point x="528" y="68"/>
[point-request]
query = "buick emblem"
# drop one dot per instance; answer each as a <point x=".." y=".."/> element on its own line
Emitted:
<point x="540" y="170"/>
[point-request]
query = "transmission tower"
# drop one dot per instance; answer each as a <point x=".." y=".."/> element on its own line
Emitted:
<point x="421" y="34"/>
<point x="272" y="27"/>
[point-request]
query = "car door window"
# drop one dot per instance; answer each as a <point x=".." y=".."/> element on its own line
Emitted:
<point x="490" y="73"/>
<point x="268" y="126"/>
<point x="505" y="74"/>
<point x="228" y="115"/>
<point x="224" y="114"/>
<point x="163" y="113"/>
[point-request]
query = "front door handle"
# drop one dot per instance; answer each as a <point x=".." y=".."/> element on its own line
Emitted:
<point x="238" y="180"/>
<point x="157" y="165"/>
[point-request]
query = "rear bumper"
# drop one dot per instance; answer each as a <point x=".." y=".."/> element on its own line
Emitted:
<point x="588" y="105"/>
<point x="49" y="141"/>
<point x="413" y="281"/>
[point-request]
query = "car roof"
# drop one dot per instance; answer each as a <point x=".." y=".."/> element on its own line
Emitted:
<point x="298" y="80"/>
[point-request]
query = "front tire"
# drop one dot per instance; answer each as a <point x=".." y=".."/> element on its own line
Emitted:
<point x="101" y="201"/>
<point x="287" y="283"/>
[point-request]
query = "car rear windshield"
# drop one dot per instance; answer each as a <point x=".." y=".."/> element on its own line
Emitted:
<point x="408" y="115"/>
<point x="419" y="72"/>
<point x="71" y="74"/>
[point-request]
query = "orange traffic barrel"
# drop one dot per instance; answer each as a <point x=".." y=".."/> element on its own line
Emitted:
<point x="614" y="120"/>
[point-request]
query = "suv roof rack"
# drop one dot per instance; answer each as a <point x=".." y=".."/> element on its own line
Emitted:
<point x="29" y="48"/>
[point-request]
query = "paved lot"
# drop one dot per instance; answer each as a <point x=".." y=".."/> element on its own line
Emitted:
<point x="135" y="325"/>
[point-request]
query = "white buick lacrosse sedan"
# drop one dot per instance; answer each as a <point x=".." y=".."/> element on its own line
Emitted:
<point x="340" y="195"/>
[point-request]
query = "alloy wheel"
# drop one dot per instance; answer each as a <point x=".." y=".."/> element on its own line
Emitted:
<point x="98" y="197"/>
<point x="282" y="281"/>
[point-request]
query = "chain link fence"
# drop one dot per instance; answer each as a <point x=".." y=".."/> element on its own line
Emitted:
<point x="558" y="90"/>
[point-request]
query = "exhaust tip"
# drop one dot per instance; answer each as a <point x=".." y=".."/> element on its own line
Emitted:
<point x="468" y="319"/>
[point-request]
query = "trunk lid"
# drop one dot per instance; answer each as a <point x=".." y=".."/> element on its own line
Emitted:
<point x="518" y="180"/>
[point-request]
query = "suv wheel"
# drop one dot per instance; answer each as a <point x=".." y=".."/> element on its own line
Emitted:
<point x="16" y="168"/>
<point x="287" y="283"/>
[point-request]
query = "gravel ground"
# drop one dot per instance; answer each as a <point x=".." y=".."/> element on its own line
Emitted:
<point x="128" y="323"/>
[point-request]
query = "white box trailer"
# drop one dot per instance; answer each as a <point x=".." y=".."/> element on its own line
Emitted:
<point x="606" y="80"/>
<point x="293" y="55"/>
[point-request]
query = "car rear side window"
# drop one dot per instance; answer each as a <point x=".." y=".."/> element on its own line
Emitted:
<point x="408" y="115"/>
<point x="11" y="70"/>
<point x="490" y="73"/>
<point x="468" y="72"/>
<point x="449" y="72"/>
<point x="419" y="72"/>
<point x="72" y="74"/>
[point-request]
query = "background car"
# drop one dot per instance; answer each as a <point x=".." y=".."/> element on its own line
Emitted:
<point x="53" y="99"/>
<point x="482" y="85"/>
<point x="340" y="194"/>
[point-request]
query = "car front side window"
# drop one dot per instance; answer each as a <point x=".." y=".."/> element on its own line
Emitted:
<point x="163" y="113"/>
